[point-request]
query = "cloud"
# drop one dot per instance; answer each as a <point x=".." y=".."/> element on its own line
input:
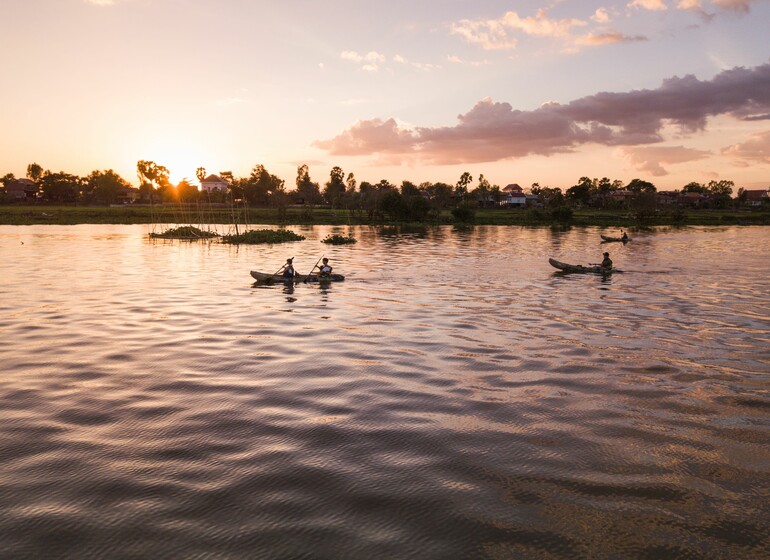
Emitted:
<point x="601" y="16"/>
<point x="496" y="34"/>
<point x="369" y="62"/>
<point x="650" y="159"/>
<point x="756" y="148"/>
<point x="607" y="38"/>
<point x="742" y="6"/>
<point x="653" y="5"/>
<point x="454" y="59"/>
<point x="492" y="131"/>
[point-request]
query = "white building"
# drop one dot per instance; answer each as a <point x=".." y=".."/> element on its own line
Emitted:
<point x="213" y="183"/>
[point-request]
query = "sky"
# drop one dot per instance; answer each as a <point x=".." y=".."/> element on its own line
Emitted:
<point x="669" y="91"/>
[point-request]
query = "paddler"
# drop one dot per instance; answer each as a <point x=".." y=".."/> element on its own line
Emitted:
<point x="606" y="263"/>
<point x="287" y="270"/>
<point x="325" y="270"/>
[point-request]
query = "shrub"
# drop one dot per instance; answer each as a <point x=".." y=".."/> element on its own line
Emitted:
<point x="562" y="214"/>
<point x="465" y="213"/>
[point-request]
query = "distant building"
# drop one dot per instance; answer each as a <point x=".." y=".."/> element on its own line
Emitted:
<point x="757" y="197"/>
<point x="513" y="195"/>
<point x="127" y="195"/>
<point x="513" y="187"/>
<point x="213" y="183"/>
<point x="22" y="189"/>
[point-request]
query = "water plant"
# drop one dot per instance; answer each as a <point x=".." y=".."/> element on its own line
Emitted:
<point x="337" y="239"/>
<point x="184" y="232"/>
<point x="256" y="236"/>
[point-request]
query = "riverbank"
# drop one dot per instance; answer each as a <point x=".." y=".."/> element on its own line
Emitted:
<point x="71" y="215"/>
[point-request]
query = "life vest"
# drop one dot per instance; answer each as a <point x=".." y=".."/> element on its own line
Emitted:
<point x="326" y="269"/>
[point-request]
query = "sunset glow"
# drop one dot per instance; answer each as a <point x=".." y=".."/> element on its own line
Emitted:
<point x="668" y="91"/>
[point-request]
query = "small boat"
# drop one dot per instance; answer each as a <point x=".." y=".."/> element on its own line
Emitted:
<point x="608" y="239"/>
<point x="564" y="267"/>
<point x="267" y="278"/>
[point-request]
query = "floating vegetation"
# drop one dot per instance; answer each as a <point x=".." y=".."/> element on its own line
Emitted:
<point x="184" y="232"/>
<point x="256" y="236"/>
<point x="337" y="239"/>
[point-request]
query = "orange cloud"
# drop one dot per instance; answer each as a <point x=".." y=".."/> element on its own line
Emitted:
<point x="496" y="34"/>
<point x="756" y="148"/>
<point x="650" y="159"/>
<point x="654" y="5"/>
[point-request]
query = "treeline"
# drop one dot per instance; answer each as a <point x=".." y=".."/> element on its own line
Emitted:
<point x="382" y="200"/>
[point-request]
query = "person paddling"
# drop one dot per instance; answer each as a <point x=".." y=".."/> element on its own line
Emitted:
<point x="287" y="270"/>
<point x="325" y="270"/>
<point x="606" y="263"/>
<point x="624" y="237"/>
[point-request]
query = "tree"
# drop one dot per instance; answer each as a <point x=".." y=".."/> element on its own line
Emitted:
<point x="440" y="194"/>
<point x="60" y="187"/>
<point x="721" y="192"/>
<point x="7" y="179"/>
<point x="581" y="192"/>
<point x="307" y="189"/>
<point x="640" y="186"/>
<point x="335" y="187"/>
<point x="260" y="186"/>
<point x="482" y="192"/>
<point x="461" y="189"/>
<point x="200" y="174"/>
<point x="694" y="187"/>
<point x="186" y="192"/>
<point x="409" y="189"/>
<point x="104" y="186"/>
<point x="34" y="172"/>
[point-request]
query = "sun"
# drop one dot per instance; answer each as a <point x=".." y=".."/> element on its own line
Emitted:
<point x="179" y="156"/>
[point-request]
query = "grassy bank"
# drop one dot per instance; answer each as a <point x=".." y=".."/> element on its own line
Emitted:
<point x="70" y="215"/>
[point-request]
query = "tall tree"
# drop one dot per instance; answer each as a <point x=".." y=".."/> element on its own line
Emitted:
<point x="34" y="172"/>
<point x="200" y="174"/>
<point x="307" y="189"/>
<point x="335" y="187"/>
<point x="461" y="189"/>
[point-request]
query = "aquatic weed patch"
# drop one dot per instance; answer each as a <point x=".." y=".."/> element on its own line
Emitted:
<point x="184" y="232"/>
<point x="337" y="239"/>
<point x="256" y="236"/>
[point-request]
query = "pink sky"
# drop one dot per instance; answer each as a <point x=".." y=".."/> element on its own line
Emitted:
<point x="667" y="91"/>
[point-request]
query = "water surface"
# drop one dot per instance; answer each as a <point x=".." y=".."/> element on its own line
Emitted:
<point x="455" y="397"/>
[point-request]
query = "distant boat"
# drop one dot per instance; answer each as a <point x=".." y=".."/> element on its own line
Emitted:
<point x="609" y="239"/>
<point x="579" y="268"/>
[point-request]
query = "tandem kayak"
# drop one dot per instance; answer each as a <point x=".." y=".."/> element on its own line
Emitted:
<point x="564" y="267"/>
<point x="608" y="239"/>
<point x="268" y="278"/>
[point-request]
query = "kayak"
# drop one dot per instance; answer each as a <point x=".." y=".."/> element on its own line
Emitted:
<point x="608" y="238"/>
<point x="268" y="278"/>
<point x="564" y="267"/>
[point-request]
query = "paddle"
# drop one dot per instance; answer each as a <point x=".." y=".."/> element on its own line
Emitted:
<point x="269" y="279"/>
<point x="312" y="269"/>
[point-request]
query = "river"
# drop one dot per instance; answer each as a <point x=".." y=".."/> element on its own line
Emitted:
<point x="454" y="397"/>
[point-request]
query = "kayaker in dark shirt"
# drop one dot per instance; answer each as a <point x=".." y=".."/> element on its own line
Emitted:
<point x="325" y="270"/>
<point x="288" y="269"/>
<point x="624" y="237"/>
<point x="606" y="263"/>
